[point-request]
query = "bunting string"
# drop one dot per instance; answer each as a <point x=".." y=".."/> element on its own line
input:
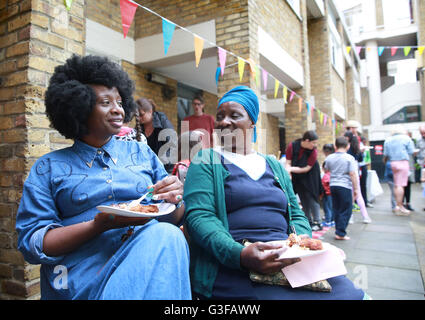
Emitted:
<point x="256" y="71"/>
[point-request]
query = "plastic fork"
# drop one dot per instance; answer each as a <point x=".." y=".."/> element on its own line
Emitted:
<point x="137" y="201"/>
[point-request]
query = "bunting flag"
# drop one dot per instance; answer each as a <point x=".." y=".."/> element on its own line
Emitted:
<point x="265" y="78"/>
<point x="199" y="47"/>
<point x="285" y="94"/>
<point x="308" y="107"/>
<point x="276" y="87"/>
<point x="128" y="9"/>
<point x="300" y="104"/>
<point x="291" y="96"/>
<point x="325" y="119"/>
<point x="217" y="75"/>
<point x="393" y="51"/>
<point x="421" y="50"/>
<point x="381" y="50"/>
<point x="348" y="50"/>
<point x="167" y="31"/>
<point x="68" y="4"/>
<point x="358" y="50"/>
<point x="241" y="67"/>
<point x="222" y="58"/>
<point x="251" y="67"/>
<point x="257" y="77"/>
<point x="321" y="115"/>
<point x="407" y="51"/>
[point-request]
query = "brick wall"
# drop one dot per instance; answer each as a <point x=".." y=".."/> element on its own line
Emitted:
<point x="35" y="36"/>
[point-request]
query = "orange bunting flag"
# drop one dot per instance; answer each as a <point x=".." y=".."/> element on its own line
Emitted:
<point x="241" y="67"/>
<point x="276" y="87"/>
<point x="128" y="9"/>
<point x="251" y="67"/>
<point x="300" y="104"/>
<point x="199" y="47"/>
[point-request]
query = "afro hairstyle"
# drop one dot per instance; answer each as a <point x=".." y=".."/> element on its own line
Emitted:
<point x="70" y="100"/>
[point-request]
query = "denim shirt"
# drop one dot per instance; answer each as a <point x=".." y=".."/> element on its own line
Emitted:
<point x="398" y="147"/>
<point x="65" y="186"/>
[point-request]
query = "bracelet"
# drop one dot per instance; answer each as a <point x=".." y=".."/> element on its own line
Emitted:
<point x="178" y="205"/>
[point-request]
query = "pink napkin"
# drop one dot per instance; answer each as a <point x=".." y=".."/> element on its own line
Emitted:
<point x="322" y="266"/>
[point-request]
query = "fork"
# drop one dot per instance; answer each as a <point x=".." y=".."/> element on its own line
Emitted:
<point x="137" y="201"/>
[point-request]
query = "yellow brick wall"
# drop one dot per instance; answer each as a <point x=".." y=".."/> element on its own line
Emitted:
<point x="35" y="36"/>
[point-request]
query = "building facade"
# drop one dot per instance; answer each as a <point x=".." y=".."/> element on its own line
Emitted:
<point x="301" y="43"/>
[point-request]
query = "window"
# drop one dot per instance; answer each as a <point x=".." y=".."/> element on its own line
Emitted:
<point x="403" y="71"/>
<point x="406" y="114"/>
<point x="397" y="13"/>
<point x="337" y="56"/>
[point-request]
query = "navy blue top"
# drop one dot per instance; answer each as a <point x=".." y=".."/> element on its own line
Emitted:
<point x="256" y="209"/>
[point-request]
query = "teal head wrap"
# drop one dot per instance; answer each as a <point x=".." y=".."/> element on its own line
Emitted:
<point x="246" y="97"/>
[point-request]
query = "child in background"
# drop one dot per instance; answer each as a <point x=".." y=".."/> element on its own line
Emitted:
<point x="327" y="197"/>
<point x="344" y="184"/>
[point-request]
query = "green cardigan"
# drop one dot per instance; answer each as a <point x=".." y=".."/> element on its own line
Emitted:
<point x="206" y="218"/>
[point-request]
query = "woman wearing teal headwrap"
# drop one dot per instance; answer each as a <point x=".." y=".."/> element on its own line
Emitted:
<point x="233" y="194"/>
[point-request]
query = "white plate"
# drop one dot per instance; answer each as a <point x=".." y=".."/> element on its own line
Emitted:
<point x="164" y="208"/>
<point x="296" y="252"/>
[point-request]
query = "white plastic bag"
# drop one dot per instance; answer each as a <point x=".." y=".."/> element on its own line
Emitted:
<point x="374" y="188"/>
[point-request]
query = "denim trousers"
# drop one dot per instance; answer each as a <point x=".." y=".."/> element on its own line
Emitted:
<point x="327" y="208"/>
<point x="342" y="205"/>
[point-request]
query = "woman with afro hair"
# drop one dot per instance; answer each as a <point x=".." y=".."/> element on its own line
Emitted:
<point x="84" y="253"/>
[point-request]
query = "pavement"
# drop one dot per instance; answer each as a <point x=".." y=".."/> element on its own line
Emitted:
<point x="387" y="257"/>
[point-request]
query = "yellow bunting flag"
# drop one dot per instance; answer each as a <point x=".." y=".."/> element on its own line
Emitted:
<point x="421" y="50"/>
<point x="276" y="87"/>
<point x="285" y="94"/>
<point x="241" y="67"/>
<point x="300" y="104"/>
<point x="199" y="47"/>
<point x="68" y="4"/>
<point x="257" y="77"/>
<point x="348" y="50"/>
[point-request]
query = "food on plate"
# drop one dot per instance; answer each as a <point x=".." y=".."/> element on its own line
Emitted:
<point x="304" y="243"/>
<point x="139" y="208"/>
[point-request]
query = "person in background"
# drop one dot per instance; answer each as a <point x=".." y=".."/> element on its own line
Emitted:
<point x="151" y="124"/>
<point x="363" y="168"/>
<point x="327" y="196"/>
<point x="190" y="142"/>
<point x="388" y="178"/>
<point x="410" y="180"/>
<point x="302" y="164"/>
<point x="234" y="194"/>
<point x="397" y="150"/>
<point x="344" y="184"/>
<point x="200" y="120"/>
<point x="104" y="256"/>
<point x="355" y="151"/>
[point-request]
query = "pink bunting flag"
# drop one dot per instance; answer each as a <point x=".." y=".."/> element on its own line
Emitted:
<point x="222" y="58"/>
<point x="128" y="9"/>
<point x="358" y="49"/>
<point x="325" y="118"/>
<point x="291" y="96"/>
<point x="393" y="51"/>
<point x="265" y="78"/>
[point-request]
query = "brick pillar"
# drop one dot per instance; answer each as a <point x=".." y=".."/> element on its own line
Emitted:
<point x="296" y="123"/>
<point x="35" y="36"/>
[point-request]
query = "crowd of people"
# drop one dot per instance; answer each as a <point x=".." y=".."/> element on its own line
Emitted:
<point x="230" y="201"/>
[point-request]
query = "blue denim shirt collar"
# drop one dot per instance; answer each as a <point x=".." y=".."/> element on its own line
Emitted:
<point x="87" y="153"/>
